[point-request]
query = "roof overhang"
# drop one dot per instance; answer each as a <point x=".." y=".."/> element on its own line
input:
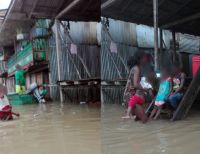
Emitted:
<point x="21" y="13"/>
<point x="178" y="15"/>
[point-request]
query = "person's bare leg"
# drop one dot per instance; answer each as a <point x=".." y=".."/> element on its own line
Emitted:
<point x="158" y="113"/>
<point x="152" y="113"/>
<point x="128" y="113"/>
<point x="8" y="117"/>
<point x="139" y="112"/>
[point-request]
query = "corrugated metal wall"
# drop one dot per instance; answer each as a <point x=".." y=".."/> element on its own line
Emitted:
<point x="188" y="43"/>
<point x="129" y="39"/>
<point x="145" y="37"/>
<point x="123" y="32"/>
<point x="84" y="35"/>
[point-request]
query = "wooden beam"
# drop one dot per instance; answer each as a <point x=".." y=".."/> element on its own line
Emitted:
<point x="7" y="14"/>
<point x="44" y="15"/>
<point x="181" y="21"/>
<point x="33" y="8"/>
<point x="68" y="8"/>
<point x="107" y="4"/>
<point x="155" y="15"/>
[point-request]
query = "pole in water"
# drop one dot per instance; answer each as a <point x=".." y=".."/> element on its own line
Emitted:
<point x="59" y="58"/>
<point x="155" y="15"/>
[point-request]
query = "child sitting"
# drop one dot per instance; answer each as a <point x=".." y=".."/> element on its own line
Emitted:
<point x="5" y="108"/>
<point x="164" y="90"/>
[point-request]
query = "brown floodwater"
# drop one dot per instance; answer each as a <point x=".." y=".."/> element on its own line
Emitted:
<point x="52" y="129"/>
<point x="156" y="137"/>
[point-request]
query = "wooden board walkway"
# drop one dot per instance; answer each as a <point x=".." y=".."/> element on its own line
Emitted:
<point x="188" y="99"/>
<point x="117" y="82"/>
<point x="82" y="82"/>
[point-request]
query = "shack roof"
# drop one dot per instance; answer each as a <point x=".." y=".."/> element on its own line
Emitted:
<point x="21" y="12"/>
<point x="179" y="15"/>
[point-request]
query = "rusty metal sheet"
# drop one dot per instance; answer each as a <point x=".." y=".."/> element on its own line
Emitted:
<point x="123" y="32"/>
<point x="83" y="32"/>
<point x="189" y="43"/>
<point x="145" y="37"/>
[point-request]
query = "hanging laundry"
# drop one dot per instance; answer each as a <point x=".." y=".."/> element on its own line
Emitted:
<point x="73" y="49"/>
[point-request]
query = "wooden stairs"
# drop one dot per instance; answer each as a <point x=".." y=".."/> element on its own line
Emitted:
<point x="188" y="99"/>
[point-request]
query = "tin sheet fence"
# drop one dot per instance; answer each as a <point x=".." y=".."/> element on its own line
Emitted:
<point x="89" y="53"/>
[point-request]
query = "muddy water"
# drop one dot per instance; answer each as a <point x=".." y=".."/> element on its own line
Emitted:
<point x="52" y="129"/>
<point x="157" y="137"/>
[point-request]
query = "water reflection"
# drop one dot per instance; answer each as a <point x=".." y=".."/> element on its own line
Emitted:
<point x="157" y="137"/>
<point x="52" y="129"/>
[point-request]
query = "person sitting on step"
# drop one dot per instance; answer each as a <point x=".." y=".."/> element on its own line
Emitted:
<point x="165" y="89"/>
<point x="178" y="87"/>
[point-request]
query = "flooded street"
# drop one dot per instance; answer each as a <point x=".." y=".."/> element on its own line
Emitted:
<point x="156" y="137"/>
<point x="52" y="129"/>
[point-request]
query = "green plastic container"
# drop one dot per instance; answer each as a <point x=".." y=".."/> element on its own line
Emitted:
<point x="16" y="99"/>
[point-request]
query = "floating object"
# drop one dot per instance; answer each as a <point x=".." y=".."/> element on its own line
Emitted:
<point x="16" y="99"/>
<point x="82" y="103"/>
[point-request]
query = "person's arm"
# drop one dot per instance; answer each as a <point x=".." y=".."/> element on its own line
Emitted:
<point x="171" y="87"/>
<point x="151" y="94"/>
<point x="136" y="80"/>
<point x="182" y="83"/>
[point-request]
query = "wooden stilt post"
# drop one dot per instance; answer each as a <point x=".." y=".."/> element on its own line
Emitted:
<point x="161" y="48"/>
<point x="155" y="14"/>
<point x="59" y="59"/>
<point x="174" y="45"/>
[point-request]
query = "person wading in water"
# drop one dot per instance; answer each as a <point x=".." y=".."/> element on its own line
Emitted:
<point x="134" y="92"/>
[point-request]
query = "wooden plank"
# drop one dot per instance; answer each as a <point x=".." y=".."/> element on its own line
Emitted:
<point x="188" y="99"/>
<point x="107" y="4"/>
<point x="68" y="8"/>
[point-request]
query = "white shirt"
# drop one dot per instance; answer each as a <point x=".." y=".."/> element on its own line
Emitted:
<point x="145" y="84"/>
<point x="4" y="102"/>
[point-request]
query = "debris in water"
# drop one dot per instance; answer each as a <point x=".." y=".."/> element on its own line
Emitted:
<point x="81" y="103"/>
<point x="35" y="115"/>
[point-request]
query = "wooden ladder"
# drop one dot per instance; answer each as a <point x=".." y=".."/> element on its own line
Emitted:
<point x="188" y="99"/>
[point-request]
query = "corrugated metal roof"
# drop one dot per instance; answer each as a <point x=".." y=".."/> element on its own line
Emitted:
<point x="82" y="10"/>
<point x="22" y="12"/>
<point x="141" y="12"/>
